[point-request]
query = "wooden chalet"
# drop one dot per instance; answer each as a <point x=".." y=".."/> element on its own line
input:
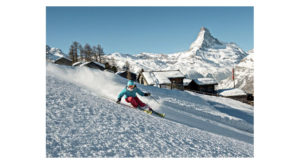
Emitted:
<point x="63" y="61"/>
<point x="171" y="79"/>
<point x="201" y="85"/>
<point x="236" y="94"/>
<point x="110" y="68"/>
<point x="128" y="75"/>
<point x="94" y="65"/>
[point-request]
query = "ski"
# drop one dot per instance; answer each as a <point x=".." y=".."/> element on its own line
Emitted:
<point x="162" y="115"/>
<point x="154" y="112"/>
<point x="159" y="114"/>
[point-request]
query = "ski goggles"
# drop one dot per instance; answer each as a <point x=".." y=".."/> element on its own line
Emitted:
<point x="131" y="86"/>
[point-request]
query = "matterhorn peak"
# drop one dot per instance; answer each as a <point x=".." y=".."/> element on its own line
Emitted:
<point x="204" y="29"/>
<point x="204" y="40"/>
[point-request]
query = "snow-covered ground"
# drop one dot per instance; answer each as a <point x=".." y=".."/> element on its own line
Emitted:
<point x="82" y="120"/>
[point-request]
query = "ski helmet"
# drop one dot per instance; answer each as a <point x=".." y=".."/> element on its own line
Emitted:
<point x="130" y="82"/>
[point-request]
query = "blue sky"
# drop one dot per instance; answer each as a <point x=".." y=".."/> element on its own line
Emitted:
<point x="146" y="29"/>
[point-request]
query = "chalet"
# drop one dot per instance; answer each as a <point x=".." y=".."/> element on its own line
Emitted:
<point x="234" y="93"/>
<point x="63" y="61"/>
<point x="76" y="64"/>
<point x="163" y="79"/>
<point x="127" y="74"/>
<point x="94" y="65"/>
<point x="201" y="85"/>
<point x="110" y="68"/>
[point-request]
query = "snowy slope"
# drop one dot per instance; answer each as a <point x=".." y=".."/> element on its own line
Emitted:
<point x="206" y="57"/>
<point x="83" y="121"/>
<point x="244" y="75"/>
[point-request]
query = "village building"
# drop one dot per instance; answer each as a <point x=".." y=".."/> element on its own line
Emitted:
<point x="63" y="61"/>
<point x="110" y="68"/>
<point x="232" y="93"/>
<point x="76" y="64"/>
<point x="201" y="85"/>
<point x="94" y="65"/>
<point x="128" y="75"/>
<point x="236" y="94"/>
<point x="171" y="79"/>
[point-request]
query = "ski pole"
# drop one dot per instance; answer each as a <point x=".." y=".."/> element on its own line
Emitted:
<point x="154" y="99"/>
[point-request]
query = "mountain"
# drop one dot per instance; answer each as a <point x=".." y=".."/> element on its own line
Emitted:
<point x="244" y="75"/>
<point x="83" y="120"/>
<point x="205" y="40"/>
<point x="54" y="53"/>
<point x="206" y="57"/>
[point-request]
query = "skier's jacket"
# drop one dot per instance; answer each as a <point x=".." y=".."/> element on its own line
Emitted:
<point x="127" y="93"/>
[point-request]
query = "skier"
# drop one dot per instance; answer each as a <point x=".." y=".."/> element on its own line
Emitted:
<point x="130" y="96"/>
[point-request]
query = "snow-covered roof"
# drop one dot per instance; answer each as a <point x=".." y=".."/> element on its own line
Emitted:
<point x="121" y="72"/>
<point x="63" y="58"/>
<point x="232" y="92"/>
<point x="77" y="63"/>
<point x="86" y="63"/>
<point x="161" y="77"/>
<point x="186" y="82"/>
<point x="200" y="81"/>
<point x="205" y="81"/>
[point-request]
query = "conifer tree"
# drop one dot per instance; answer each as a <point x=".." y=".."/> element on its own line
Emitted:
<point x="100" y="52"/>
<point x="126" y="66"/>
<point x="76" y="47"/>
<point x="88" y="52"/>
<point x="94" y="54"/>
<point x="113" y="65"/>
<point x="71" y="54"/>
<point x="81" y="51"/>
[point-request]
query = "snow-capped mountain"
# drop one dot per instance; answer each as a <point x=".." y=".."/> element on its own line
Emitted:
<point x="206" y="57"/>
<point x="54" y="53"/>
<point x="244" y="75"/>
<point x="205" y="40"/>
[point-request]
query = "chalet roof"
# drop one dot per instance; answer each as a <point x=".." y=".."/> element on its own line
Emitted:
<point x="205" y="81"/>
<point x="86" y="63"/>
<point x="76" y="64"/>
<point x="186" y="82"/>
<point x="161" y="77"/>
<point x="121" y="72"/>
<point x="200" y="81"/>
<point x="62" y="58"/>
<point x="232" y="92"/>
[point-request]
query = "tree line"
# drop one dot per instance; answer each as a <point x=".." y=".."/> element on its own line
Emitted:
<point x="87" y="53"/>
<point x="77" y="52"/>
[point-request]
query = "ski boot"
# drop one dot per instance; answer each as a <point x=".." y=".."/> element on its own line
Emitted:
<point x="148" y="110"/>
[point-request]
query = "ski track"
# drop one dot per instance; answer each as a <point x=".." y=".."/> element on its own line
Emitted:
<point x="80" y="123"/>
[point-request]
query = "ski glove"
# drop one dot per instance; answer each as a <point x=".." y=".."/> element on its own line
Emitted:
<point x="118" y="102"/>
<point x="147" y="94"/>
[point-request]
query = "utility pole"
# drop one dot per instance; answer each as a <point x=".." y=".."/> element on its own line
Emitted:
<point x="233" y="77"/>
